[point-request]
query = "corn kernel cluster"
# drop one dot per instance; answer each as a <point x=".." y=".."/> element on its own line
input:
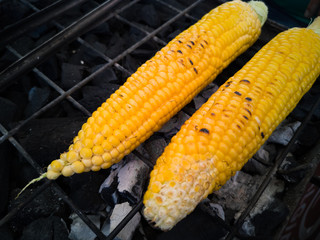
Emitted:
<point x="159" y="89"/>
<point x="232" y="125"/>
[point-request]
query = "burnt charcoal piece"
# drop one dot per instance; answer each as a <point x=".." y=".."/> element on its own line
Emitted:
<point x="8" y="110"/>
<point x="50" y="228"/>
<point x="71" y="75"/>
<point x="108" y="189"/>
<point x="148" y="15"/>
<point x="50" y="69"/>
<point x="94" y="96"/>
<point x="284" y="132"/>
<point x="198" y="225"/>
<point x="38" y="97"/>
<point x="44" y="205"/>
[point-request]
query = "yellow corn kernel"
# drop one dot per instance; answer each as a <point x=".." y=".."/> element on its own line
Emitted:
<point x="77" y="167"/>
<point x="97" y="160"/>
<point x="167" y="82"/>
<point x="57" y="165"/>
<point x="53" y="174"/>
<point x="67" y="171"/>
<point x="233" y="124"/>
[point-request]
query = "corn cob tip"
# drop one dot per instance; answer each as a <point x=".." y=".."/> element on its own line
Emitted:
<point x="315" y="25"/>
<point x="261" y="9"/>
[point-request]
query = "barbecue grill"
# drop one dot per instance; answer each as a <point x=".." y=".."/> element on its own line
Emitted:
<point x="56" y="52"/>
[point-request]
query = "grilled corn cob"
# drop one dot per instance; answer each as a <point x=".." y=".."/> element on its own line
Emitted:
<point x="160" y="88"/>
<point x="232" y="125"/>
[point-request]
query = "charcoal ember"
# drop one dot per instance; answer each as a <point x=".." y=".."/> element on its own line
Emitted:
<point x="119" y="212"/>
<point x="46" y="204"/>
<point x="284" y="132"/>
<point x="80" y="230"/>
<point x="94" y="96"/>
<point x="56" y="134"/>
<point x="129" y="178"/>
<point x="5" y="233"/>
<point x="71" y="75"/>
<point x="235" y="195"/>
<point x="291" y="171"/>
<point x="155" y="146"/>
<point x="84" y="190"/>
<point x="263" y="225"/>
<point x="197" y="225"/>
<point x="8" y="110"/>
<point x="174" y="123"/>
<point x="50" y="228"/>
<point x="149" y="15"/>
<point x="38" y="97"/>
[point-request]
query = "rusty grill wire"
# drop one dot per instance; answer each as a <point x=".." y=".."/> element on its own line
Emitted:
<point x="103" y="12"/>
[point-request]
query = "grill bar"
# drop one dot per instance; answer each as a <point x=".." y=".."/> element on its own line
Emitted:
<point x="29" y="23"/>
<point x="272" y="172"/>
<point x="39" y="54"/>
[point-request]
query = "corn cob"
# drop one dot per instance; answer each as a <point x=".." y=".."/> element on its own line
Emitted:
<point x="160" y="88"/>
<point x="232" y="125"/>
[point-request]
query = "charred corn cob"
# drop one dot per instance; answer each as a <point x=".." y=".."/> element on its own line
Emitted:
<point x="160" y="88"/>
<point x="232" y="125"/>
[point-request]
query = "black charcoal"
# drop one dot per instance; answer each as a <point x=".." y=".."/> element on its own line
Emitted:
<point x="38" y="97"/>
<point x="94" y="96"/>
<point x="44" y="205"/>
<point x="291" y="170"/>
<point x="5" y="233"/>
<point x="209" y="90"/>
<point x="50" y="228"/>
<point x="106" y="77"/>
<point x="8" y="110"/>
<point x="199" y="101"/>
<point x="71" y="75"/>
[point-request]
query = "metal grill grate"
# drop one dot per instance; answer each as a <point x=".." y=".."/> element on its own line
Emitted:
<point x="104" y="12"/>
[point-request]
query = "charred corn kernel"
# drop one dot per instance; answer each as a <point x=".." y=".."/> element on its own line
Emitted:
<point x="77" y="167"/>
<point x="244" y="128"/>
<point x="167" y="82"/>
